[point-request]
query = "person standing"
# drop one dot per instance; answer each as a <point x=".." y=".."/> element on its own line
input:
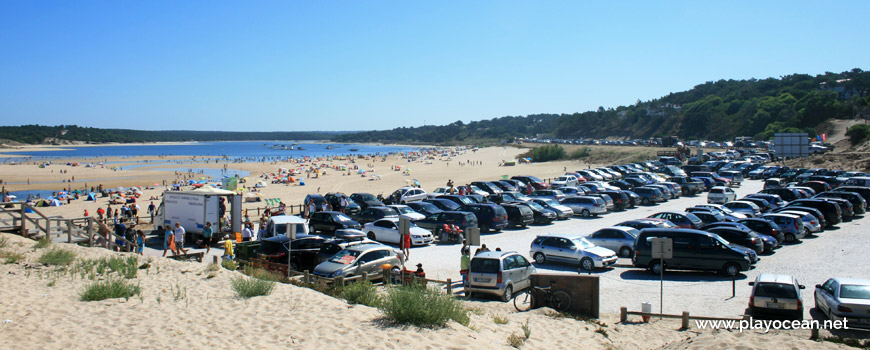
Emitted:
<point x="228" y="248"/>
<point x="406" y="245"/>
<point x="168" y="241"/>
<point x="206" y="236"/>
<point x="247" y="232"/>
<point x="342" y="204"/>
<point x="152" y="209"/>
<point x="464" y="260"/>
<point x="179" y="237"/>
<point x="140" y="242"/>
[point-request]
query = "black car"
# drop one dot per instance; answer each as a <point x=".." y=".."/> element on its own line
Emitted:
<point x="330" y="221"/>
<point x="487" y="186"/>
<point x="847" y="211"/>
<point x="505" y="186"/>
<point x="859" y="205"/>
<point x="319" y="202"/>
<point x="518" y="215"/>
<point x="831" y="211"/>
<point x="334" y="199"/>
<point x="458" y="199"/>
<point x="740" y="236"/>
<point x="787" y="194"/>
<point x="863" y="191"/>
<point x="444" y="204"/>
<point x="424" y="208"/>
<point x="436" y="222"/>
<point x="764" y="227"/>
<point x="489" y="216"/>
<point x="708" y="217"/>
<point x="498" y="198"/>
<point x="542" y="215"/>
<point x="375" y="213"/>
<point x="305" y="249"/>
<point x="620" y="199"/>
<point x="366" y="200"/>
<point x="622" y="184"/>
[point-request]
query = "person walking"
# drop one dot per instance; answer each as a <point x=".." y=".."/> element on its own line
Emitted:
<point x="206" y="236"/>
<point x="179" y="237"/>
<point x="152" y="209"/>
<point x="140" y="242"/>
<point x="406" y="245"/>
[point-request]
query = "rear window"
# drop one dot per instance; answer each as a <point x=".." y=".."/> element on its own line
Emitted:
<point x="775" y="290"/>
<point x="853" y="291"/>
<point x="717" y="190"/>
<point x="482" y="265"/>
<point x="499" y="211"/>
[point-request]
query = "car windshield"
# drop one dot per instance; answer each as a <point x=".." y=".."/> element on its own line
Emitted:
<point x="536" y="206"/>
<point x="633" y="232"/>
<point x="367" y="197"/>
<point x="404" y="210"/>
<point x="427" y="207"/>
<point x="549" y="202"/>
<point x="345" y="256"/>
<point x="854" y="291"/>
<point x="342" y="218"/>
<point x="582" y="243"/>
<point x="775" y="290"/>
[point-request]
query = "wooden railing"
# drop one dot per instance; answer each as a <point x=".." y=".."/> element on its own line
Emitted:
<point x="685" y="317"/>
<point x="31" y="223"/>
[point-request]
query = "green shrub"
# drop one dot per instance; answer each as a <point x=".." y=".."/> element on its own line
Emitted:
<point x="128" y="267"/>
<point x="247" y="287"/>
<point x="3" y="242"/>
<point x="57" y="256"/>
<point x="11" y="257"/>
<point x="230" y="265"/>
<point x="421" y="306"/>
<point x="109" y="289"/>
<point x="545" y="153"/>
<point x="580" y="153"/>
<point x="858" y="133"/>
<point x="500" y="320"/>
<point x="42" y="243"/>
<point x="361" y="293"/>
<point x="264" y="274"/>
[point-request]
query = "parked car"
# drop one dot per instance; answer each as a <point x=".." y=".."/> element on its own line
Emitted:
<point x="435" y="222"/>
<point x="387" y="230"/>
<point x="535" y="182"/>
<point x="641" y="224"/>
<point x="585" y="206"/>
<point x="280" y="225"/>
<point x="621" y="201"/>
<point x="812" y="211"/>
<point x="366" y="200"/>
<point x="330" y="221"/>
<point x="706" y="216"/>
<point x="764" y="227"/>
<point x="692" y="250"/>
<point x="374" y="213"/>
<point x="458" y="199"/>
<point x="649" y="195"/>
<point x="616" y="238"/>
<point x="407" y="212"/>
<point x="334" y="199"/>
<point x="489" y="216"/>
<point x="564" y="180"/>
<point x="777" y="295"/>
<point x="305" y="248"/>
<point x="542" y="215"/>
<point x="424" y="208"/>
<point x="332" y="246"/>
<point x="845" y="299"/>
<point x="830" y="211"/>
<point x="551" y="194"/>
<point x="721" y="195"/>
<point x="810" y="221"/>
<point x="562" y="211"/>
<point x="499" y="273"/>
<point x="407" y="195"/>
<point x="489" y="187"/>
<point x="571" y="249"/>
<point x="356" y="259"/>
<point x="683" y="220"/>
<point x="518" y="215"/>
<point x="688" y="186"/>
<point x="859" y="205"/>
<point x="319" y="202"/>
<point x="444" y="204"/>
<point x="745" y="207"/>
<point x="739" y="236"/>
<point x="792" y="226"/>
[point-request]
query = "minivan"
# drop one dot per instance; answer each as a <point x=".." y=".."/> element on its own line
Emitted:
<point x="489" y="216"/>
<point x="692" y="250"/>
<point x="499" y="273"/>
<point x="519" y="215"/>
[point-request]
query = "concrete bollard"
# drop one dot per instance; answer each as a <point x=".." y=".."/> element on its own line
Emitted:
<point x="685" y="320"/>
<point x="623" y="314"/>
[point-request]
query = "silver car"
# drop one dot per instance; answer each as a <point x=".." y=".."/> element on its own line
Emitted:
<point x="616" y="238"/>
<point x="571" y="249"/>
<point x="355" y="260"/>
<point x="811" y="222"/>
<point x="499" y="273"/>
<point x="562" y="212"/>
<point x="778" y="295"/>
<point x="791" y="226"/>
<point x="845" y="299"/>
<point x="585" y="206"/>
<point x="745" y="207"/>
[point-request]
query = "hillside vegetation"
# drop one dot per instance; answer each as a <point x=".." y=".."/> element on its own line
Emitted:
<point x="39" y="134"/>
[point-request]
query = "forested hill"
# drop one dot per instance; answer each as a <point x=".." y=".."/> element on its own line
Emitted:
<point x="38" y="134"/>
<point x="717" y="110"/>
<point x="459" y="132"/>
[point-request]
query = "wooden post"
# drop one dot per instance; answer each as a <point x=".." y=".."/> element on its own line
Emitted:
<point x="685" y="320"/>
<point x="338" y="283"/>
<point x="386" y="276"/>
<point x="365" y="276"/>
<point x="90" y="232"/>
<point x="814" y="332"/>
<point x="449" y="287"/>
<point x="623" y="314"/>
<point x="23" y="220"/>
<point x="69" y="227"/>
<point x="47" y="229"/>
<point x="307" y="278"/>
<point x="215" y="259"/>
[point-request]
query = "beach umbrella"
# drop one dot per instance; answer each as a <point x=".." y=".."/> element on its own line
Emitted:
<point x="55" y="203"/>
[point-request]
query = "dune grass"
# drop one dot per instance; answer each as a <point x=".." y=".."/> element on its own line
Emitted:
<point x="420" y="306"/>
<point x="363" y="293"/>
<point x="249" y="287"/>
<point x="11" y="257"/>
<point x="57" y="256"/>
<point x="109" y="289"/>
<point x="42" y="243"/>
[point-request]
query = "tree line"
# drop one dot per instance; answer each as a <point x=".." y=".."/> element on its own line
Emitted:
<point x="40" y="134"/>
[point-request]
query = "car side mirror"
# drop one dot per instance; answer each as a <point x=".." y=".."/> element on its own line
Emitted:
<point x="818" y="286"/>
<point x="751" y="283"/>
<point x="801" y="286"/>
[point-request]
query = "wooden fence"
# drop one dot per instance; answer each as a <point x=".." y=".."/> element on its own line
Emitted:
<point x="685" y="317"/>
<point x="29" y="222"/>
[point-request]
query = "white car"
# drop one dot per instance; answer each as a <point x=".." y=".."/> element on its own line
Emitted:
<point x="406" y="212"/>
<point x="721" y="195"/>
<point x="564" y="180"/>
<point x="748" y="208"/>
<point x="409" y="194"/>
<point x="439" y="192"/>
<point x="387" y="230"/>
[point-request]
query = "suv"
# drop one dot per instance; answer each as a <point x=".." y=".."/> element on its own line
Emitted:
<point x="499" y="273"/>
<point x="305" y="249"/>
<point x="334" y="199"/>
<point x="776" y="295"/>
<point x="692" y="250"/>
<point x="356" y="259"/>
<point x="375" y="213"/>
<point x="830" y="211"/>
<point x="585" y="206"/>
<point x="688" y="186"/>
<point x="519" y="215"/>
<point x="721" y="195"/>
<point x="571" y="249"/>
<point x="435" y="222"/>
<point x="535" y="182"/>
<point x="330" y="221"/>
<point x="489" y="216"/>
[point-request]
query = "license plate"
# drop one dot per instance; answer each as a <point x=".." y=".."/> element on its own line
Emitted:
<point x="773" y="305"/>
<point x="484" y="280"/>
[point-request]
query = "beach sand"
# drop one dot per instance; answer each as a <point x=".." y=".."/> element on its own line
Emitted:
<point x="181" y="306"/>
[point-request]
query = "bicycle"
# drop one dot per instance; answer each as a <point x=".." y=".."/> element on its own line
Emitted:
<point x="558" y="300"/>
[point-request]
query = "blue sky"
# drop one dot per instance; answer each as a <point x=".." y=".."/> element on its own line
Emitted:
<point x="362" y="65"/>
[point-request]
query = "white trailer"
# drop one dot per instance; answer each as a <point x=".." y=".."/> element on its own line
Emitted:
<point x="192" y="209"/>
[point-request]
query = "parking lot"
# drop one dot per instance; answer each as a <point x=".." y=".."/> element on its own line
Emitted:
<point x="840" y="252"/>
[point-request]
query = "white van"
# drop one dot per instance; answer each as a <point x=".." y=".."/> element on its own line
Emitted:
<point x="279" y="225"/>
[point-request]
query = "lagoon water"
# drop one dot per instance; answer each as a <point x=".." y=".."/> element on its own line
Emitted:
<point x="241" y="150"/>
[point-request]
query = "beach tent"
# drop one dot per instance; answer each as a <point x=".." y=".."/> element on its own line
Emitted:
<point x="55" y="203"/>
<point x="253" y="197"/>
<point x="260" y="183"/>
<point x="91" y="197"/>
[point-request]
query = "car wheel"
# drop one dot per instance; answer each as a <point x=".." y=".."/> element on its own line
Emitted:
<point x="508" y="294"/>
<point x="656" y="267"/>
<point x="586" y="264"/>
<point x="371" y="236"/>
<point x="540" y="258"/>
<point x="484" y="228"/>
<point x="625" y="252"/>
<point x="584" y="213"/>
<point x="645" y="201"/>
<point x="685" y="192"/>
<point x="790" y="238"/>
<point x="731" y="270"/>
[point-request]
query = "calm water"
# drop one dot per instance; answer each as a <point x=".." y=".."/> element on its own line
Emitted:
<point x="244" y="151"/>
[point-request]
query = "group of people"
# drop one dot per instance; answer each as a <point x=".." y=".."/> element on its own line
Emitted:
<point x="173" y="239"/>
<point x="125" y="234"/>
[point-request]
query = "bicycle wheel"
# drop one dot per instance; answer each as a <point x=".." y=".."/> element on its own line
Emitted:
<point x="523" y="301"/>
<point x="560" y="301"/>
